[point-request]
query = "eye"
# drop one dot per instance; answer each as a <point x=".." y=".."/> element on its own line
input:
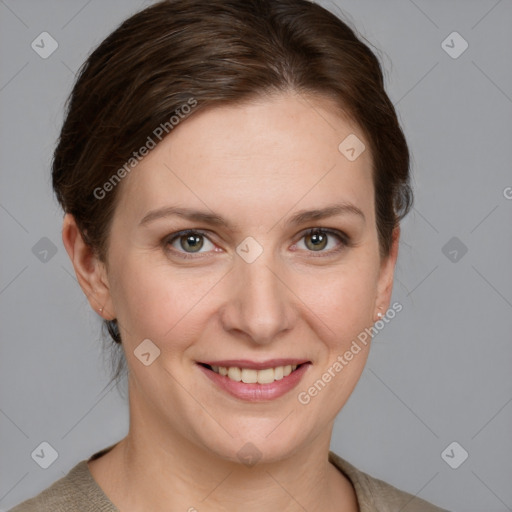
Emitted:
<point x="317" y="239"/>
<point x="188" y="242"/>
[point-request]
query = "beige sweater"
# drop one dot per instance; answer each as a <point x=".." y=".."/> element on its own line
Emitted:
<point x="79" y="492"/>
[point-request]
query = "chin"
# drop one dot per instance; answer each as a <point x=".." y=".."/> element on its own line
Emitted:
<point x="248" y="448"/>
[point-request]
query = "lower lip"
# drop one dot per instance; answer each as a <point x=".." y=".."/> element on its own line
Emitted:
<point x="257" y="392"/>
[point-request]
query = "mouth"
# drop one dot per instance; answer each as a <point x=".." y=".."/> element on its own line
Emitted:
<point x="253" y="375"/>
<point x="255" y="382"/>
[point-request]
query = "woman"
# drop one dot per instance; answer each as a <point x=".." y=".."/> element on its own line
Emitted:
<point x="233" y="176"/>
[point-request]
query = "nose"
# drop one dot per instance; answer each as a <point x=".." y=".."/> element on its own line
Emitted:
<point x="260" y="303"/>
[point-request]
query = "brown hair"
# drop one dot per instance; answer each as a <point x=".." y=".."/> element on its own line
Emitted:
<point x="217" y="52"/>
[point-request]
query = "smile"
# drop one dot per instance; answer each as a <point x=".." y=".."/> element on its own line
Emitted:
<point x="255" y="381"/>
<point x="249" y="376"/>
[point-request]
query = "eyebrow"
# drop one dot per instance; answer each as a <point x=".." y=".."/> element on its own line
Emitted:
<point x="213" y="219"/>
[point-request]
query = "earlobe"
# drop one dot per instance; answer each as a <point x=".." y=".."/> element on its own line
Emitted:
<point x="90" y="271"/>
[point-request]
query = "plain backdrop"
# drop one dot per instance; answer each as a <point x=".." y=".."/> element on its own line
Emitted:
<point x="439" y="373"/>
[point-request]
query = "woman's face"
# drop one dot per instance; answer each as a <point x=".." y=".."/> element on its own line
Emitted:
<point x="251" y="283"/>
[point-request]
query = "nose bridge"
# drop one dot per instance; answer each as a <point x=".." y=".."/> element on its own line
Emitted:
<point x="258" y="302"/>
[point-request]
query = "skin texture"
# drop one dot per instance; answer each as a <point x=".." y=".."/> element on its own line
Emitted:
<point x="255" y="164"/>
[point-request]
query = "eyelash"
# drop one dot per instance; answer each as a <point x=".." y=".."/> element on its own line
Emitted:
<point x="344" y="239"/>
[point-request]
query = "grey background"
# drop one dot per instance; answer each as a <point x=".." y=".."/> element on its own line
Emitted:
<point x="439" y="372"/>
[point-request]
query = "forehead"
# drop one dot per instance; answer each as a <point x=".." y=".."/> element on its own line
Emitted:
<point x="273" y="152"/>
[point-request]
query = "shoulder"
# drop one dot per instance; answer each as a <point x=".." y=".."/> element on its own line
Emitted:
<point x="376" y="495"/>
<point x="76" y="491"/>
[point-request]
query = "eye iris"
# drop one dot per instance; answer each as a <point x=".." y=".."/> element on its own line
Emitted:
<point x="318" y="239"/>
<point x="194" y="241"/>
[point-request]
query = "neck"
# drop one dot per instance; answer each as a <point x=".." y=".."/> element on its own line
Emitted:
<point x="155" y="469"/>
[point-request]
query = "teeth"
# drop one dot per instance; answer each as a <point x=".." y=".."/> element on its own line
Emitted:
<point x="235" y="374"/>
<point x="248" y="376"/>
<point x="266" y="376"/>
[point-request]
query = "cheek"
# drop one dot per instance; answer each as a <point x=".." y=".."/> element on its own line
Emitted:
<point x="342" y="299"/>
<point x="345" y="309"/>
<point x="157" y="301"/>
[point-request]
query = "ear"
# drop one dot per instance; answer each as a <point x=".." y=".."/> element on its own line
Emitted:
<point x="386" y="275"/>
<point x="90" y="271"/>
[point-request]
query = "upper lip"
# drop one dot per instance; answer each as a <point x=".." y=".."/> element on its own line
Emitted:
<point x="255" y="365"/>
